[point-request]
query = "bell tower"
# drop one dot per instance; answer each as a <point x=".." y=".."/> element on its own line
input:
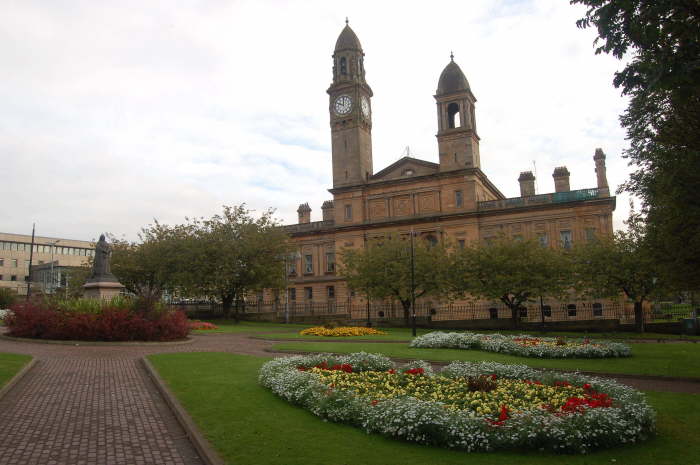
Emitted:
<point x="458" y="142"/>
<point x="350" y="113"/>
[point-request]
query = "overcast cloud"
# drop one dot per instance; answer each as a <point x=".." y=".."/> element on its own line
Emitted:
<point x="115" y="113"/>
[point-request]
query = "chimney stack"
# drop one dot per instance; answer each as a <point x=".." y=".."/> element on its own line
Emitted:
<point x="561" y="179"/>
<point x="599" y="159"/>
<point x="527" y="183"/>
<point x="328" y="210"/>
<point x="304" y="213"/>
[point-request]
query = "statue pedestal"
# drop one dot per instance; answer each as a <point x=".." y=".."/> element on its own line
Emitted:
<point x="103" y="290"/>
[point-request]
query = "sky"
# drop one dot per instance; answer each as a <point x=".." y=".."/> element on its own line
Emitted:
<point x="116" y="113"/>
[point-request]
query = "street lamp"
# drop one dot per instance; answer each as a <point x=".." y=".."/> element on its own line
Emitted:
<point x="413" y="286"/>
<point x="53" y="278"/>
<point x="293" y="256"/>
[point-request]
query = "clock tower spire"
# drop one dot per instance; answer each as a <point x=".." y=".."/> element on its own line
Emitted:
<point x="350" y="113"/>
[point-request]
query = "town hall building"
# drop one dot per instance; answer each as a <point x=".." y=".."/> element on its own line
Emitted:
<point x="451" y="199"/>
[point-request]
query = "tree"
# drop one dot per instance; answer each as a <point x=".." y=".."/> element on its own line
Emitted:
<point x="153" y="265"/>
<point x="512" y="271"/>
<point x="662" y="78"/>
<point x="623" y="263"/>
<point x="383" y="269"/>
<point x="233" y="254"/>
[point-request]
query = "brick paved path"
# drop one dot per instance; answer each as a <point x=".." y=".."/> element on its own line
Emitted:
<point x="95" y="405"/>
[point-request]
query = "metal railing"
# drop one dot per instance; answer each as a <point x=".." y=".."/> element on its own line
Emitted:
<point x="554" y="197"/>
<point x="531" y="313"/>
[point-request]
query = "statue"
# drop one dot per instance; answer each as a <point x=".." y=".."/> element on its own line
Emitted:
<point x="100" y="267"/>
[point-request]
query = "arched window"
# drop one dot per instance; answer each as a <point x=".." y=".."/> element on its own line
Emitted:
<point x="453" y="119"/>
<point x="547" y="310"/>
<point x="493" y="313"/>
<point x="343" y="66"/>
<point x="597" y="309"/>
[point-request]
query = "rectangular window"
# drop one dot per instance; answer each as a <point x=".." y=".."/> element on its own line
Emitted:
<point x="330" y="262"/>
<point x="13" y="277"/>
<point x="292" y="267"/>
<point x="565" y="238"/>
<point x="308" y="264"/>
<point x="461" y="243"/>
<point x="26" y="278"/>
<point x="543" y="239"/>
<point x="308" y="293"/>
<point x="459" y="199"/>
<point x="330" y="291"/>
<point x="292" y="293"/>
<point x="590" y="234"/>
<point x="1" y="277"/>
<point x="41" y="262"/>
<point x="348" y="212"/>
<point x="14" y="263"/>
<point x="26" y="263"/>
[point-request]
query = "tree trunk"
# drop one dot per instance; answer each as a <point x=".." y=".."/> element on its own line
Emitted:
<point x="639" y="316"/>
<point x="515" y="315"/>
<point x="406" y="311"/>
<point x="226" y="302"/>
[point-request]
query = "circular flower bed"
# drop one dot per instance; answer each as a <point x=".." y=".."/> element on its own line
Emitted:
<point x="525" y="346"/>
<point x="341" y="331"/>
<point x="471" y="406"/>
<point x="202" y="325"/>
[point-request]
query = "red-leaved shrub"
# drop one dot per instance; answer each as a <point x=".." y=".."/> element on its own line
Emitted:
<point x="42" y="321"/>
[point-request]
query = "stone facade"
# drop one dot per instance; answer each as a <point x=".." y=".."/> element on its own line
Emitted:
<point x="451" y="199"/>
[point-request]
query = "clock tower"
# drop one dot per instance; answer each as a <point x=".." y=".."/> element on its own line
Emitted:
<point x="350" y="113"/>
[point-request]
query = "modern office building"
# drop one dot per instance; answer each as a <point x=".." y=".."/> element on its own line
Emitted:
<point x="15" y="252"/>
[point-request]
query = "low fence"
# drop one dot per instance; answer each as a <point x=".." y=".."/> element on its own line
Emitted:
<point x="449" y="314"/>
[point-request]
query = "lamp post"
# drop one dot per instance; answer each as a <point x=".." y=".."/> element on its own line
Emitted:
<point x="413" y="287"/>
<point x="293" y="256"/>
<point x="53" y="278"/>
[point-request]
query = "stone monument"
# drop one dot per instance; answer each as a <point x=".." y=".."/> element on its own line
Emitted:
<point x="102" y="284"/>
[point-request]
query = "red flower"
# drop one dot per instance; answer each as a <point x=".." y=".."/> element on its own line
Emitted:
<point x="391" y="371"/>
<point x="415" y="371"/>
<point x="586" y="386"/>
<point x="493" y="377"/>
<point x="375" y="402"/>
<point x="504" y="413"/>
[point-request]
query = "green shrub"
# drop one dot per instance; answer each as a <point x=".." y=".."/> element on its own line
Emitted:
<point x="7" y="297"/>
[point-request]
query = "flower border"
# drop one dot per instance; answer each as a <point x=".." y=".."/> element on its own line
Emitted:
<point x="630" y="421"/>
<point x="509" y="345"/>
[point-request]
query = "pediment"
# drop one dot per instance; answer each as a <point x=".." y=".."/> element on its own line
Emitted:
<point x="406" y="168"/>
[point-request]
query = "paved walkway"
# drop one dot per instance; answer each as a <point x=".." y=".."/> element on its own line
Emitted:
<point x="95" y="405"/>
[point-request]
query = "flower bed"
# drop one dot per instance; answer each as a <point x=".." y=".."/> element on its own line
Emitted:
<point x="201" y="325"/>
<point x="113" y="322"/>
<point x="342" y="331"/>
<point x="525" y="346"/>
<point x="470" y="406"/>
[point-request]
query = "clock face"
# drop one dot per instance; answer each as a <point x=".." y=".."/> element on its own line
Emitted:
<point x="365" y="107"/>
<point x="343" y="105"/>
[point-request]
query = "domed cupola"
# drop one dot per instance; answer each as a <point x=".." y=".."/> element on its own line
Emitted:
<point x="348" y="58"/>
<point x="452" y="79"/>
<point x="347" y="40"/>
<point x="458" y="141"/>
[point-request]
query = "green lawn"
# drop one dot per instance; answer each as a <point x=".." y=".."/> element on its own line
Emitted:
<point x="393" y="334"/>
<point x="680" y="360"/>
<point x="10" y="364"/>
<point x="405" y="334"/>
<point x="230" y="326"/>
<point x="248" y="425"/>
